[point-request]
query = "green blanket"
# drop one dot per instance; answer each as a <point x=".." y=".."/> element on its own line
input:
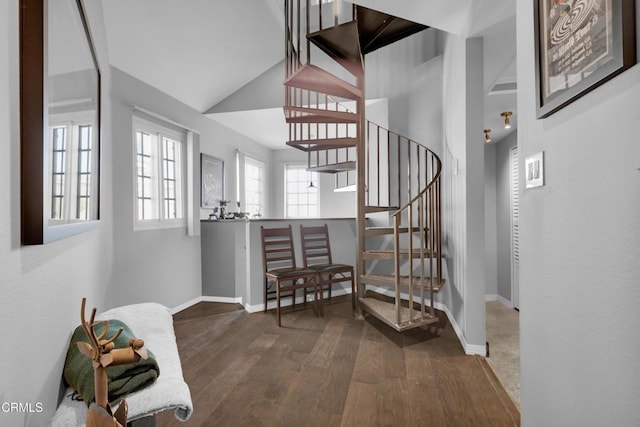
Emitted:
<point x="123" y="379"/>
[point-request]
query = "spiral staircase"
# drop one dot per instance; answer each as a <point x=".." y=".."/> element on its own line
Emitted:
<point x="397" y="180"/>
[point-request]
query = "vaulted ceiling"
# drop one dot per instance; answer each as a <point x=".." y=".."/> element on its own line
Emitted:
<point x="202" y="51"/>
<point x="197" y="51"/>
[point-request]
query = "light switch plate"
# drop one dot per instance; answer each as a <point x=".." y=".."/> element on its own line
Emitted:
<point x="534" y="171"/>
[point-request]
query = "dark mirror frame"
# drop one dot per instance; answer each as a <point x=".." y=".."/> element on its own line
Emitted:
<point x="34" y="128"/>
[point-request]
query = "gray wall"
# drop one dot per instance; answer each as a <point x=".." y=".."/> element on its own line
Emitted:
<point x="224" y="245"/>
<point x="580" y="246"/>
<point x="342" y="234"/>
<point x="41" y="286"/>
<point x="490" y="222"/>
<point x="463" y="193"/>
<point x="149" y="265"/>
<point x="409" y="74"/>
<point x="503" y="214"/>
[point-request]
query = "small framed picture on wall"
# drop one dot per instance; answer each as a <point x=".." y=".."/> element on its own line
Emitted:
<point x="212" y="181"/>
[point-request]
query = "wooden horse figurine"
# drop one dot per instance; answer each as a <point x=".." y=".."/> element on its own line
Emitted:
<point x="101" y="351"/>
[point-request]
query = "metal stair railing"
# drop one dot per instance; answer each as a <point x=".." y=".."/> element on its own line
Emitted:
<point x="398" y="174"/>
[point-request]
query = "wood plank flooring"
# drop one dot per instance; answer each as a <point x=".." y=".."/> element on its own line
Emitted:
<point x="332" y="371"/>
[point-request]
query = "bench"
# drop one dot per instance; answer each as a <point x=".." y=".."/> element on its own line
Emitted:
<point x="153" y="323"/>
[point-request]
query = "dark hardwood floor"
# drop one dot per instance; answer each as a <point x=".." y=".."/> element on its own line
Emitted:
<point x="332" y="371"/>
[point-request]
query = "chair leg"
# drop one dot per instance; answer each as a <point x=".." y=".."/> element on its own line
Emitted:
<point x="293" y="298"/>
<point x="321" y="292"/>
<point x="266" y="284"/>
<point x="278" y="301"/>
<point x="330" y="285"/>
<point x="353" y="293"/>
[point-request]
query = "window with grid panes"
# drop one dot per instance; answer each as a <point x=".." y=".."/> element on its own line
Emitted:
<point x="159" y="176"/>
<point x="71" y="163"/>
<point x="301" y="197"/>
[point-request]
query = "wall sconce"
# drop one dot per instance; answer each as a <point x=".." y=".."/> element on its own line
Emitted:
<point x="487" y="137"/>
<point x="506" y="115"/>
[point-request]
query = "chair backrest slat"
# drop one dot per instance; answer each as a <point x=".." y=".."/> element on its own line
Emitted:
<point x="277" y="248"/>
<point x="316" y="248"/>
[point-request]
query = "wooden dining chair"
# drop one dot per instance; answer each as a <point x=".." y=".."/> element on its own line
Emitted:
<point x="316" y="254"/>
<point x="280" y="270"/>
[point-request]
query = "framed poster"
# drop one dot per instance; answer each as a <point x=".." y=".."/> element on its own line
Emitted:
<point x="211" y="181"/>
<point x="580" y="44"/>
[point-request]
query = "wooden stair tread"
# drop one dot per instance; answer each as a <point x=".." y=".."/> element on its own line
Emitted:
<point x="323" y="144"/>
<point x="313" y="78"/>
<point x="389" y="280"/>
<point x="317" y="115"/>
<point x="373" y="209"/>
<point x="334" y="167"/>
<point x="341" y="43"/>
<point x="389" y="254"/>
<point x="387" y="313"/>
<point x="379" y="231"/>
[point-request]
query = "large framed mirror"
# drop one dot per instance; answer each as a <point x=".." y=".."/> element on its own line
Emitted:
<point x="59" y="122"/>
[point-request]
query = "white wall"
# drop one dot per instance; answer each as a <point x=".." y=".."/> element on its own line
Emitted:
<point x="580" y="246"/>
<point x="41" y="287"/>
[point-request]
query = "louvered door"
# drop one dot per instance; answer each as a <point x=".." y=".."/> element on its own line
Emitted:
<point x="515" y="229"/>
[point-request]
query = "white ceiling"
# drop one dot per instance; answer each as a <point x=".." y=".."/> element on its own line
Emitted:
<point x="202" y="51"/>
<point x="197" y="51"/>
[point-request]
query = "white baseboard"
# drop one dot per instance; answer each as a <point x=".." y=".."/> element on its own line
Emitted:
<point x="505" y="302"/>
<point x="226" y="300"/>
<point x="499" y="298"/>
<point x="287" y="302"/>
<point x="470" y="349"/>
<point x="184" y="306"/>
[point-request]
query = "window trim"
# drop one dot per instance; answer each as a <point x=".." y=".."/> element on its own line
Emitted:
<point x="262" y="165"/>
<point x="159" y="130"/>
